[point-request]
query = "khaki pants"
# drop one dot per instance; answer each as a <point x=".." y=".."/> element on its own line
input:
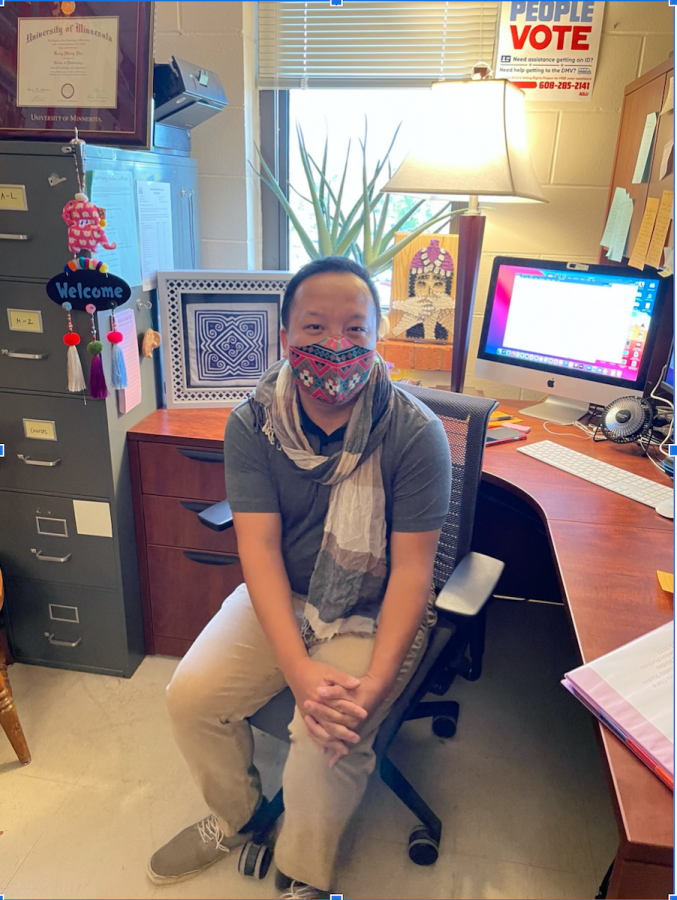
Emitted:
<point x="227" y="675"/>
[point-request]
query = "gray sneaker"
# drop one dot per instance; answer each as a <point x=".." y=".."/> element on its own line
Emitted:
<point x="193" y="850"/>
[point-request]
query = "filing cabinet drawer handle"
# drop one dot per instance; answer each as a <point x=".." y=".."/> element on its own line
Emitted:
<point x="210" y="559"/>
<point x="15" y="355"/>
<point x="56" y="559"/>
<point x="56" y="643"/>
<point x="208" y="456"/>
<point x="194" y="505"/>
<point x="38" y="462"/>
<point x="13" y="237"/>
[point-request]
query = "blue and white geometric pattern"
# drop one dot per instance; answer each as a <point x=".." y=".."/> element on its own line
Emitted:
<point x="230" y="343"/>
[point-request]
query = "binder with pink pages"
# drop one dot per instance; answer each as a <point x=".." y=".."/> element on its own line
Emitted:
<point x="630" y="690"/>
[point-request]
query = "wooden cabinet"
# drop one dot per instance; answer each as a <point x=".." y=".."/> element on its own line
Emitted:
<point x="186" y="569"/>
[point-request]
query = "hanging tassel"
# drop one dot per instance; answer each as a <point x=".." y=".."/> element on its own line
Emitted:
<point x="76" y="378"/>
<point x="118" y="378"/>
<point x="97" y="380"/>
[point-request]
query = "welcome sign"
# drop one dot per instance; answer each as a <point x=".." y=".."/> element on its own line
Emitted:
<point x="550" y="49"/>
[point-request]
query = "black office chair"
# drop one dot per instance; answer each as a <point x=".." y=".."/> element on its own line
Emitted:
<point x="464" y="581"/>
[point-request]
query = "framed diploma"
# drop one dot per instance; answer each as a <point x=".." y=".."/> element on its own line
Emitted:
<point x="77" y="65"/>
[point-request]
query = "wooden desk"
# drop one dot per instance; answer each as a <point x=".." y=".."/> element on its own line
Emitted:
<point x="606" y="550"/>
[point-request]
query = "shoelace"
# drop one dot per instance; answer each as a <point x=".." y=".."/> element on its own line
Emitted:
<point x="209" y="831"/>
<point x="300" y="891"/>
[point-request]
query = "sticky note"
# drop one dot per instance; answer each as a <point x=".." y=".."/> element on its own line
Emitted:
<point x="13" y="196"/>
<point x="25" y="320"/>
<point x="666" y="581"/>
<point x="644" y="153"/>
<point x="670" y="98"/>
<point x="661" y="228"/>
<point x="92" y="517"/>
<point x="641" y="248"/>
<point x="40" y="429"/>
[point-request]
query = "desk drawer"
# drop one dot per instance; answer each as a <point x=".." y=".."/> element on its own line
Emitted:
<point x="175" y="523"/>
<point x="39" y="540"/>
<point x="174" y="471"/>
<point x="66" y="625"/>
<point x="72" y="455"/>
<point x="187" y="588"/>
<point x="34" y="360"/>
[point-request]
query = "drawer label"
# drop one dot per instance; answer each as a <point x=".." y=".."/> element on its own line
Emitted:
<point x="93" y="517"/>
<point x="52" y="527"/>
<point x="25" y="320"/>
<point x="40" y="429"/>
<point x="13" y="196"/>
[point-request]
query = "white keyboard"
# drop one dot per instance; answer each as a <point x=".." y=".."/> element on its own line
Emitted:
<point x="634" y="487"/>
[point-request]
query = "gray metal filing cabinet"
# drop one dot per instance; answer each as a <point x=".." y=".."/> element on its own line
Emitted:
<point x="67" y="546"/>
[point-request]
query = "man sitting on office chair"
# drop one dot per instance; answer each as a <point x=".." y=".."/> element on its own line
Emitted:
<point x="339" y="484"/>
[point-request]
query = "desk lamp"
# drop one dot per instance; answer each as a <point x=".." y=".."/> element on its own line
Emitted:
<point x="473" y="145"/>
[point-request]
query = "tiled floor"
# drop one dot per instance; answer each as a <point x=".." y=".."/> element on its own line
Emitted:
<point x="520" y="788"/>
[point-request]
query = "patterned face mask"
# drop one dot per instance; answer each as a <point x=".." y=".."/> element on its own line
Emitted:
<point x="334" y="370"/>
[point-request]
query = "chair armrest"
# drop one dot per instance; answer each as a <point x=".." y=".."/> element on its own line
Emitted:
<point x="217" y="517"/>
<point x="470" y="585"/>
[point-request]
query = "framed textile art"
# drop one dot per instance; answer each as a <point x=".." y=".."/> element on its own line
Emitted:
<point x="220" y="332"/>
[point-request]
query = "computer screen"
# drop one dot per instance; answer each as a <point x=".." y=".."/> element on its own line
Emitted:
<point x="581" y="321"/>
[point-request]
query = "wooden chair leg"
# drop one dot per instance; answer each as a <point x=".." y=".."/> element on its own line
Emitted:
<point x="9" y="719"/>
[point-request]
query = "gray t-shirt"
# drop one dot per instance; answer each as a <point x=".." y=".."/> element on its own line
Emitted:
<point x="416" y="470"/>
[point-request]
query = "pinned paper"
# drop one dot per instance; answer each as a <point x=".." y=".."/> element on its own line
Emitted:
<point x="641" y="248"/>
<point x="668" y="262"/>
<point x="131" y="395"/>
<point x="155" y="230"/>
<point x="661" y="228"/>
<point x="114" y="191"/>
<point x="666" y="160"/>
<point x="92" y="517"/>
<point x="642" y="165"/>
<point x="669" y="103"/>
<point x="618" y="226"/>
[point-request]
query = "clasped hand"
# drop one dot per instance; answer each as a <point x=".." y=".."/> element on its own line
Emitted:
<point x="334" y="705"/>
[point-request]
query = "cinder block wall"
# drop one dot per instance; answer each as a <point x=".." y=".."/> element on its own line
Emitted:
<point x="221" y="37"/>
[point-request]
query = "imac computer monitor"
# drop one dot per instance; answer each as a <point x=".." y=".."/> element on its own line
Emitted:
<point x="668" y="382"/>
<point x="581" y="333"/>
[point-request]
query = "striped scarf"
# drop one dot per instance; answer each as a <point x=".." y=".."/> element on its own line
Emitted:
<point x="349" y="579"/>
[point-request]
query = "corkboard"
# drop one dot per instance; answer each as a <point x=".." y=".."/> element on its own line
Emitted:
<point x="402" y="263"/>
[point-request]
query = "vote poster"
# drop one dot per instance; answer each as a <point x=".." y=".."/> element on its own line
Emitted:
<point x="550" y="49"/>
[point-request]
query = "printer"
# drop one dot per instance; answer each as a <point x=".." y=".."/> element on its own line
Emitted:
<point x="185" y="94"/>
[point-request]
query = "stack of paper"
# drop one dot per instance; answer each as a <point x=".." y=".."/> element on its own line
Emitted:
<point x="631" y="692"/>
<point x="615" y="235"/>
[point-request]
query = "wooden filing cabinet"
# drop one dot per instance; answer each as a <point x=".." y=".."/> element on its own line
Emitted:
<point x="187" y="569"/>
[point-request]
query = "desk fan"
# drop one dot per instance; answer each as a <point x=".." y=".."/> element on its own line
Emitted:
<point x="626" y="420"/>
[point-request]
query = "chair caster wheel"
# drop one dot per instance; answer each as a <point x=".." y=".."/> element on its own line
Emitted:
<point x="444" y="726"/>
<point x="255" y="860"/>
<point x="423" y="848"/>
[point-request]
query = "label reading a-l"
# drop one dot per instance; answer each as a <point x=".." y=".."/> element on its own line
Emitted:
<point x="25" y="320"/>
<point x="40" y="429"/>
<point x="13" y="196"/>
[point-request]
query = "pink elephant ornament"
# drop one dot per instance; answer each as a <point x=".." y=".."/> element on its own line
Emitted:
<point x="85" y="223"/>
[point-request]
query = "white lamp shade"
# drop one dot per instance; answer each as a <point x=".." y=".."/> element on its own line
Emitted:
<point x="473" y="143"/>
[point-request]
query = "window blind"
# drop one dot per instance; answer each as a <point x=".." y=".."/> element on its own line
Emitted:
<point x="372" y="45"/>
